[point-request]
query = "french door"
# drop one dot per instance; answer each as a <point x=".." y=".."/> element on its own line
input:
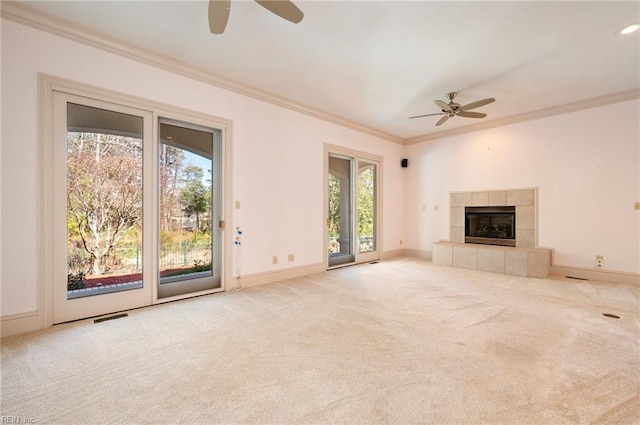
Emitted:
<point x="136" y="208"/>
<point x="352" y="208"/>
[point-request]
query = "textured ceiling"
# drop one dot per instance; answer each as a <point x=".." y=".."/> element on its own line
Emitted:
<point x="375" y="63"/>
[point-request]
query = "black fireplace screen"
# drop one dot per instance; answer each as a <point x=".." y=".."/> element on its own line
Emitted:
<point x="490" y="225"/>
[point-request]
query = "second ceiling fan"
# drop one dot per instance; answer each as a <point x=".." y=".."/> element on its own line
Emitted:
<point x="219" y="12"/>
<point x="453" y="109"/>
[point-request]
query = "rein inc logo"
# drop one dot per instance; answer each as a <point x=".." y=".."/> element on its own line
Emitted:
<point x="15" y="419"/>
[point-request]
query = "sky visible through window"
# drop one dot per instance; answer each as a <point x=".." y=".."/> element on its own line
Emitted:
<point x="202" y="162"/>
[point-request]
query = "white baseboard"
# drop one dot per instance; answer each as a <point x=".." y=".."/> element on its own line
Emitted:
<point x="596" y="274"/>
<point x="256" y="279"/>
<point x="13" y="324"/>
<point x="417" y="253"/>
<point x="387" y="255"/>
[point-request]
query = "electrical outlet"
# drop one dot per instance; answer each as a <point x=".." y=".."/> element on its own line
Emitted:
<point x="292" y="258"/>
<point x="237" y="205"/>
<point x="636" y="205"/>
<point x="599" y="261"/>
<point x="274" y="260"/>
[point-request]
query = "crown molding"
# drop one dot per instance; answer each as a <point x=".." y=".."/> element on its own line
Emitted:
<point x="26" y="15"/>
<point x="566" y="108"/>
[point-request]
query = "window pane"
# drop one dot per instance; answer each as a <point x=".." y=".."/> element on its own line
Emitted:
<point x="334" y="214"/>
<point x="339" y="214"/>
<point x="187" y="221"/>
<point x="104" y="201"/>
<point x="366" y="207"/>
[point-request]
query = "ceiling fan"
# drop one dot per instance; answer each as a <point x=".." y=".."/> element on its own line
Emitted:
<point x="453" y="109"/>
<point x="219" y="12"/>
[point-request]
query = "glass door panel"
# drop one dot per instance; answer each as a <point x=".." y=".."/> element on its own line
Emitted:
<point x="340" y="214"/>
<point x="367" y="207"/>
<point x="104" y="201"/>
<point x="190" y="209"/>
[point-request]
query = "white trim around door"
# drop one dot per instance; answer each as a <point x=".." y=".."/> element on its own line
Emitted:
<point x="52" y="177"/>
<point x="350" y="247"/>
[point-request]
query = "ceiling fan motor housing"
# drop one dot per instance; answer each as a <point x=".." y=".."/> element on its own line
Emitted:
<point x="453" y="111"/>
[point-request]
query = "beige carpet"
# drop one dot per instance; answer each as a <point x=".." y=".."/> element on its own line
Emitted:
<point x="398" y="342"/>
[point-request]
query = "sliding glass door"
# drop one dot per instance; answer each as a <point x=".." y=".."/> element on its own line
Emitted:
<point x="351" y="208"/>
<point x="136" y="213"/>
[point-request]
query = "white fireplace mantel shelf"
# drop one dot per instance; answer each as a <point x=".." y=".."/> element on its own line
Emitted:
<point x="525" y="262"/>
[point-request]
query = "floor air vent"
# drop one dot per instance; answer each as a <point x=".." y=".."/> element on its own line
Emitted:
<point x="115" y="316"/>
<point x="613" y="316"/>
<point x="576" y="278"/>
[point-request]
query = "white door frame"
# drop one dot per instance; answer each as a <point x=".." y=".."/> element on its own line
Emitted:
<point x="357" y="156"/>
<point x="46" y="252"/>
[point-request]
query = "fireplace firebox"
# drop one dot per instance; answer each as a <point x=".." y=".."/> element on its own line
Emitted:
<point x="490" y="225"/>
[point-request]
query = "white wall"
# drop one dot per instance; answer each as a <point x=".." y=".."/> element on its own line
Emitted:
<point x="586" y="165"/>
<point x="278" y="158"/>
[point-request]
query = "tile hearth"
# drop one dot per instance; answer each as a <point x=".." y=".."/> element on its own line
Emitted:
<point x="524" y="262"/>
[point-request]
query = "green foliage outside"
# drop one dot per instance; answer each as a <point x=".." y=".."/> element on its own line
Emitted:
<point x="366" y="205"/>
<point x="366" y="202"/>
<point x="104" y="196"/>
<point x="194" y="196"/>
<point x="104" y="205"/>
<point x="334" y="206"/>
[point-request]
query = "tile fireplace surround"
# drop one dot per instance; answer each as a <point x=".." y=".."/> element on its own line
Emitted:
<point x="522" y="260"/>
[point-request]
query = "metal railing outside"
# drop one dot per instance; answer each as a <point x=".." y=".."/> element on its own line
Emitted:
<point x="365" y="244"/>
<point x="129" y="258"/>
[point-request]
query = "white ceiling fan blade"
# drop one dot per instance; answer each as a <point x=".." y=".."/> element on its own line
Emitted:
<point x="442" y="120"/>
<point x="283" y="8"/>
<point x="471" y="114"/>
<point x="218" y="15"/>
<point x="443" y="105"/>
<point x="427" y="115"/>
<point x="477" y="104"/>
